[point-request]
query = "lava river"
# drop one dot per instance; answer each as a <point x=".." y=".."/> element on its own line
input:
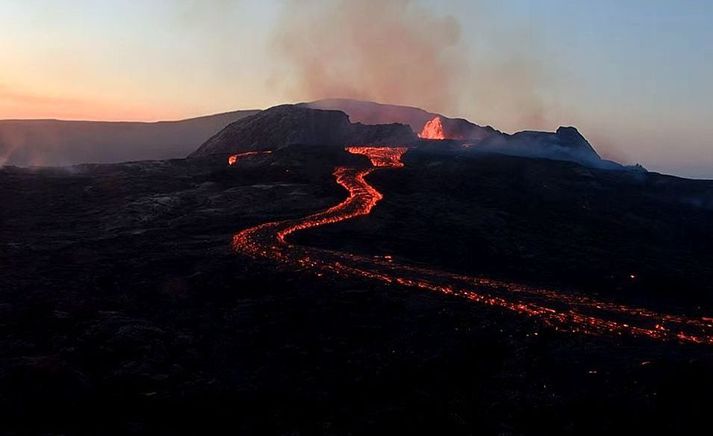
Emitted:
<point x="561" y="311"/>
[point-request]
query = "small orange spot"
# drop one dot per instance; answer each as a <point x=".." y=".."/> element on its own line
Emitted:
<point x="233" y="159"/>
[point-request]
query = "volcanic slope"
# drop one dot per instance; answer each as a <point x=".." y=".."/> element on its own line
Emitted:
<point x="368" y="112"/>
<point x="285" y="125"/>
<point x="564" y="144"/>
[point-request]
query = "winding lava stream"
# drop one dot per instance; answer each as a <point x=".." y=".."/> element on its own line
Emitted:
<point x="562" y="311"/>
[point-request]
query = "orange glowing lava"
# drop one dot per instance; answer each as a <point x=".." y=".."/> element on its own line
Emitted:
<point x="569" y="312"/>
<point x="433" y="129"/>
<point x="381" y="156"/>
<point x="233" y="159"/>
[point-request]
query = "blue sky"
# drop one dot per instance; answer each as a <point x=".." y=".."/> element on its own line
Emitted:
<point x="632" y="75"/>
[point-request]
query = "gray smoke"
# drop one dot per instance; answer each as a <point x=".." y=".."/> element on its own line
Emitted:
<point x="401" y="52"/>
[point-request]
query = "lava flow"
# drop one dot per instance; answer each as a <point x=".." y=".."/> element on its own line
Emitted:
<point x="561" y="311"/>
<point x="433" y="129"/>
<point x="389" y="157"/>
<point x="233" y="159"/>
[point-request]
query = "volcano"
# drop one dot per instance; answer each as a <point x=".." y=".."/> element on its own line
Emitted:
<point x="376" y="113"/>
<point x="318" y="271"/>
<point x="281" y="126"/>
<point x="286" y="125"/>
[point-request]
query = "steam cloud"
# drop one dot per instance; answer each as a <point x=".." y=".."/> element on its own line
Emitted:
<point x="399" y="51"/>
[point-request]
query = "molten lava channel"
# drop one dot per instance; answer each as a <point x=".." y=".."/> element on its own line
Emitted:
<point x="568" y="312"/>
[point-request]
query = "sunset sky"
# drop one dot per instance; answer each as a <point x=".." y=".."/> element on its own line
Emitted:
<point x="634" y="76"/>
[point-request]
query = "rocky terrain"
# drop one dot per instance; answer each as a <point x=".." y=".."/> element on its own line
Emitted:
<point x="565" y="144"/>
<point x="285" y="125"/>
<point x="376" y="113"/>
<point x="124" y="311"/>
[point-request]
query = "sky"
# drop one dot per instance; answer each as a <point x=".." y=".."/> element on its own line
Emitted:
<point x="632" y="75"/>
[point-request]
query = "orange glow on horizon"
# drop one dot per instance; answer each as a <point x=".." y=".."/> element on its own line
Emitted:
<point x="19" y="104"/>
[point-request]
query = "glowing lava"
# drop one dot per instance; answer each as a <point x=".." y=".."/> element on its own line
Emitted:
<point x="433" y="129"/>
<point x="568" y="312"/>
<point x="233" y="159"/>
<point x="389" y="157"/>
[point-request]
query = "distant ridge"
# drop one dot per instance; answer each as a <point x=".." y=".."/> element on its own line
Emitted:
<point x="379" y="113"/>
<point x="59" y="142"/>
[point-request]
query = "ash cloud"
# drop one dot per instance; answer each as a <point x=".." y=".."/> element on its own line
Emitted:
<point x="401" y="52"/>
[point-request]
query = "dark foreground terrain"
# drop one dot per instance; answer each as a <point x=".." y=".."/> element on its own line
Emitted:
<point x="123" y="310"/>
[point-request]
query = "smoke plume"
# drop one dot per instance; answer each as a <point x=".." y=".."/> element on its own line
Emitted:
<point x="401" y="52"/>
